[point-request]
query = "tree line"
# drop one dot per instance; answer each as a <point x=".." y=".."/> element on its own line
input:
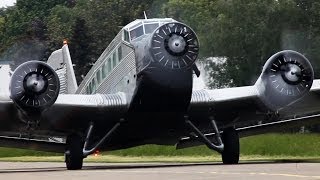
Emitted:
<point x="243" y="33"/>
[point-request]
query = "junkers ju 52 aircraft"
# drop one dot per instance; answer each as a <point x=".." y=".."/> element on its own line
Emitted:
<point x="140" y="92"/>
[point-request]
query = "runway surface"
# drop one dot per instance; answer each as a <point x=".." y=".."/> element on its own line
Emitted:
<point x="155" y="171"/>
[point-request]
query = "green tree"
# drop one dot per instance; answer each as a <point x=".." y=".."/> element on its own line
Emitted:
<point x="59" y="26"/>
<point x="79" y="49"/>
<point x="25" y="24"/>
<point x="246" y="33"/>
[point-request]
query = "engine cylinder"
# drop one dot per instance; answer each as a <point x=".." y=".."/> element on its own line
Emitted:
<point x="286" y="77"/>
<point x="34" y="86"/>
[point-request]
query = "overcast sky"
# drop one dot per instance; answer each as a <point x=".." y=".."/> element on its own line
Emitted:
<point x="4" y="3"/>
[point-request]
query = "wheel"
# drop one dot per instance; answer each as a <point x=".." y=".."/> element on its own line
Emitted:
<point x="74" y="152"/>
<point x="231" y="152"/>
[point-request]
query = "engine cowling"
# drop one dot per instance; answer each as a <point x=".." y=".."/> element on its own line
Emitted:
<point x="286" y="77"/>
<point x="174" y="46"/>
<point x="34" y="86"/>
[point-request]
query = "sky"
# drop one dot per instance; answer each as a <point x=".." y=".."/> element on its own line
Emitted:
<point x="4" y="3"/>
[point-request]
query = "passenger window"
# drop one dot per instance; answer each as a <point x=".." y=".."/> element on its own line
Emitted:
<point x="114" y="58"/>
<point x="90" y="88"/>
<point x="104" y="70"/>
<point x="94" y="85"/>
<point x="98" y="76"/>
<point x="136" y="33"/>
<point x="149" y="28"/>
<point x="120" y="53"/>
<point x="109" y="65"/>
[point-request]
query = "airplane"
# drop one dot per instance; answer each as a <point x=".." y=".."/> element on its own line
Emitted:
<point x="139" y="91"/>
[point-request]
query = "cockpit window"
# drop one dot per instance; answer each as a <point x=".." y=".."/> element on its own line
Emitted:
<point x="137" y="32"/>
<point x="126" y="35"/>
<point x="149" y="28"/>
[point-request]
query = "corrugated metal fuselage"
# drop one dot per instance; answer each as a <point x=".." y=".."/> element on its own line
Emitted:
<point x="159" y="98"/>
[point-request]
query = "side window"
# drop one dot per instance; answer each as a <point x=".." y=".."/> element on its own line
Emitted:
<point x="104" y="70"/>
<point x="99" y="77"/>
<point x="114" y="59"/>
<point x="126" y="36"/>
<point x="120" y="53"/>
<point x="109" y="65"/>
<point x="94" y="85"/>
<point x="90" y="88"/>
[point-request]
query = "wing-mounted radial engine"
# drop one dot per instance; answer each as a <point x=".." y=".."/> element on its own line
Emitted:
<point x="286" y="77"/>
<point x="34" y="87"/>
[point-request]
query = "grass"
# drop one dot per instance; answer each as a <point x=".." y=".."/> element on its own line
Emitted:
<point x="261" y="147"/>
<point x="303" y="145"/>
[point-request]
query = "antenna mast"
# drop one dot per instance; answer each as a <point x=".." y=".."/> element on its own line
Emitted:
<point x="145" y="15"/>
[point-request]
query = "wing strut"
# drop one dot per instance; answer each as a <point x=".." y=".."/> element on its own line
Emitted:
<point x="219" y="146"/>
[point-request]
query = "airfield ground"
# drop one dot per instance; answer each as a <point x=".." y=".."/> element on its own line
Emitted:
<point x="155" y="171"/>
<point x="277" y="156"/>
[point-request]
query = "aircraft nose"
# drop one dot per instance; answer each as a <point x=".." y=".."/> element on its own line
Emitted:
<point x="175" y="46"/>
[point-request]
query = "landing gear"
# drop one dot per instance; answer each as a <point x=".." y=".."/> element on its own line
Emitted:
<point x="217" y="146"/>
<point x="78" y="149"/>
<point x="227" y="144"/>
<point x="231" y="152"/>
<point x="74" y="153"/>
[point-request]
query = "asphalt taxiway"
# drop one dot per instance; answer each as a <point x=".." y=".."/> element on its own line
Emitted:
<point x="155" y="171"/>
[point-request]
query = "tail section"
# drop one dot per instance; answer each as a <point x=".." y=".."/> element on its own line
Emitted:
<point x="60" y="61"/>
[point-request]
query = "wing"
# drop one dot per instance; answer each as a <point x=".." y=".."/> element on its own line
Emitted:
<point x="70" y="108"/>
<point x="224" y="99"/>
<point x="246" y="104"/>
<point x="309" y="104"/>
<point x="244" y="108"/>
<point x="72" y="111"/>
<point x="69" y="112"/>
<point x="286" y="85"/>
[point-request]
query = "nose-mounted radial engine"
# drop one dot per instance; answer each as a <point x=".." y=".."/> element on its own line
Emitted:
<point x="174" y="46"/>
<point x="34" y="87"/>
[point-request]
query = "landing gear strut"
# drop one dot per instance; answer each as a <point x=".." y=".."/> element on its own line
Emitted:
<point x="77" y="149"/>
<point x="218" y="146"/>
<point x="227" y="144"/>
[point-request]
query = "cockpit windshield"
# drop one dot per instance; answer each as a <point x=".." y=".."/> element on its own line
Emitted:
<point x="149" y="28"/>
<point x="137" y="32"/>
<point x="143" y="26"/>
<point x="143" y="29"/>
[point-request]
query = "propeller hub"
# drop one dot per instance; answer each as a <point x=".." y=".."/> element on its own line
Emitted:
<point x="176" y="44"/>
<point x="293" y="74"/>
<point x="35" y="83"/>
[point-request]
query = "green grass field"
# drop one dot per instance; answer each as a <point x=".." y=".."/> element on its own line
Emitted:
<point x="274" y="146"/>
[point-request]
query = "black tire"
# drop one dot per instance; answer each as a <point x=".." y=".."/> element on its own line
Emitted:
<point x="231" y="152"/>
<point x="74" y="153"/>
